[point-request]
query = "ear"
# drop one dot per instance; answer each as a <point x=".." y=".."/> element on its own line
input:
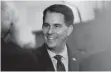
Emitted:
<point x="70" y="29"/>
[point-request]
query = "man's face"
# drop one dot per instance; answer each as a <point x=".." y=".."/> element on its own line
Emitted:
<point x="55" y="29"/>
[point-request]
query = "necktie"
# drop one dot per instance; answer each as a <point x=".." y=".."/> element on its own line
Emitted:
<point x="60" y="65"/>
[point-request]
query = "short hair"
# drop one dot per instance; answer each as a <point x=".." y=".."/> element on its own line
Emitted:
<point x="63" y="9"/>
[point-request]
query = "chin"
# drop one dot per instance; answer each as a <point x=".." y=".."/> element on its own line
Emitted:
<point x="51" y="45"/>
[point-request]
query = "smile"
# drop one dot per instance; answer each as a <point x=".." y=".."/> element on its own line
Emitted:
<point x="50" y="38"/>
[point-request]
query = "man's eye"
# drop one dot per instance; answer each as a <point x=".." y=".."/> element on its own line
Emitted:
<point x="46" y="25"/>
<point x="57" y="25"/>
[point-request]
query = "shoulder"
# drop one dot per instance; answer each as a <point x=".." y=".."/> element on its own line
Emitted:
<point x="39" y="50"/>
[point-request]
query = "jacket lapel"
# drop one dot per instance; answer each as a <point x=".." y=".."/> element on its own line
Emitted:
<point x="73" y="64"/>
<point x="46" y="63"/>
<point x="46" y="60"/>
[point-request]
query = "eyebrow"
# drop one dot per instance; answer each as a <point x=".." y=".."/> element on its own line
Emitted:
<point x="45" y="24"/>
<point x="56" y="24"/>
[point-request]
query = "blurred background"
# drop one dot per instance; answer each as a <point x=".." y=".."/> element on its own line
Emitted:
<point x="92" y="25"/>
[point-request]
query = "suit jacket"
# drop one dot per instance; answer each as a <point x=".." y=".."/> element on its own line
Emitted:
<point x="97" y="62"/>
<point x="14" y="58"/>
<point x="45" y="63"/>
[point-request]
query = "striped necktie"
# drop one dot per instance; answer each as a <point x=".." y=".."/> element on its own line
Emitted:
<point x="60" y="65"/>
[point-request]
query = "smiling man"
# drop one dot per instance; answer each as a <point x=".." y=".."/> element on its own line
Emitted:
<point x="54" y="54"/>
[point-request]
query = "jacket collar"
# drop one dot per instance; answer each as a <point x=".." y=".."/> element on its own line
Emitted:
<point x="48" y="65"/>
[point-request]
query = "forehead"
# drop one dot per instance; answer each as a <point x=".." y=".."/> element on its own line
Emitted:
<point x="54" y="17"/>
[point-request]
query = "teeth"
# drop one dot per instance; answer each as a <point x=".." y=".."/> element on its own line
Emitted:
<point x="50" y="38"/>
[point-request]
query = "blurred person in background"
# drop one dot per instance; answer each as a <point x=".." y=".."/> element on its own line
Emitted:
<point x="13" y="58"/>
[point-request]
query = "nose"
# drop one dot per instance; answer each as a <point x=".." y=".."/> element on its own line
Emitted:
<point x="50" y="31"/>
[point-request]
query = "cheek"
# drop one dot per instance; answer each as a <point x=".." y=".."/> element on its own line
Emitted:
<point x="44" y="30"/>
<point x="62" y="33"/>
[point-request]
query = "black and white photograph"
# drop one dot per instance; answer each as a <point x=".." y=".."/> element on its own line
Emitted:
<point x="55" y="35"/>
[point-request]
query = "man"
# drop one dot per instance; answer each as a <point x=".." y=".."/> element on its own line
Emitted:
<point x="54" y="54"/>
<point x="13" y="58"/>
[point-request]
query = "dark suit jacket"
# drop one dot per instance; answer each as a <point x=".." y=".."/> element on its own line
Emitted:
<point x="14" y="58"/>
<point x="97" y="62"/>
<point x="45" y="63"/>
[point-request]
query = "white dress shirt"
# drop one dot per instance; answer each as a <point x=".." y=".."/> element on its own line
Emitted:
<point x="64" y="59"/>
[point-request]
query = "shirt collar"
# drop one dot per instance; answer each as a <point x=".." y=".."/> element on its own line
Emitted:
<point x="64" y="53"/>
